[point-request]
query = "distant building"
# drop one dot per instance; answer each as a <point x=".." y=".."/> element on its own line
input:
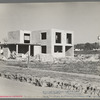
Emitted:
<point x="77" y="50"/>
<point x="58" y="43"/>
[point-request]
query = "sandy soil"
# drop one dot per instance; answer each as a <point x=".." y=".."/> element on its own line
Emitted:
<point x="25" y="90"/>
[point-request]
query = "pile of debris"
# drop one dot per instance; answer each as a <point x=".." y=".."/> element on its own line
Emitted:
<point x="3" y="58"/>
<point x="66" y="60"/>
<point x="82" y="87"/>
<point x="89" y="57"/>
<point x="51" y="59"/>
<point x="79" y="58"/>
<point x="44" y="57"/>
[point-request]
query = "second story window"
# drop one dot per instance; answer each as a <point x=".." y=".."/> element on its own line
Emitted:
<point x="26" y="38"/>
<point x="69" y="38"/>
<point x="43" y="36"/>
<point x="58" y="37"/>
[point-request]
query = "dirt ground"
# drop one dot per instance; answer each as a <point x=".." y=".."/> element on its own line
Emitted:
<point x="41" y="70"/>
<point x="10" y="89"/>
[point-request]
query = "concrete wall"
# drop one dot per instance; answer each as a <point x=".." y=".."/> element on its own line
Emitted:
<point x="6" y="51"/>
<point x="17" y="36"/>
<point x="63" y="43"/>
<point x="50" y="42"/>
<point x="36" y="39"/>
<point x="14" y="37"/>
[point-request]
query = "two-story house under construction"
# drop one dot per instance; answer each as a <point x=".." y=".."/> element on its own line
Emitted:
<point x="58" y="43"/>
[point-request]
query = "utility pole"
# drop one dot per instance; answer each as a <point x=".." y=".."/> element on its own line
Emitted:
<point x="28" y="61"/>
<point x="99" y="41"/>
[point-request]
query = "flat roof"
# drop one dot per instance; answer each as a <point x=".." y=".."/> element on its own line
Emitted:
<point x="19" y="44"/>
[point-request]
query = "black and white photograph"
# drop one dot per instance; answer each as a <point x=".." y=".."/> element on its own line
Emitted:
<point x="50" y="50"/>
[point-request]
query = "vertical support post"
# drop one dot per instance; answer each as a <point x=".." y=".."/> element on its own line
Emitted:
<point x="29" y="50"/>
<point x="72" y="51"/>
<point x="28" y="56"/>
<point x="17" y="49"/>
<point x="63" y="50"/>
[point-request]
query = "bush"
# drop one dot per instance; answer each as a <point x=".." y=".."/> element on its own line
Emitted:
<point x="99" y="56"/>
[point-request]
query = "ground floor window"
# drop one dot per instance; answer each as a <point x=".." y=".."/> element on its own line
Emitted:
<point x="43" y="49"/>
<point x="68" y="51"/>
<point x="67" y="48"/>
<point x="58" y="49"/>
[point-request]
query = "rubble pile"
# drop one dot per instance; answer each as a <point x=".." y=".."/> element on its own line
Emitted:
<point x="89" y="57"/>
<point x="51" y="59"/>
<point x="66" y="60"/>
<point x="44" y="58"/>
<point x="79" y="58"/>
<point x="82" y="87"/>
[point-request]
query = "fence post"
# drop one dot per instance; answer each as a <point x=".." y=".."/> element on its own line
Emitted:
<point x="28" y="57"/>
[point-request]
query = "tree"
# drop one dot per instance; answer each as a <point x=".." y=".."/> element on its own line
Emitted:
<point x="79" y="46"/>
<point x="95" y="45"/>
<point x="88" y="46"/>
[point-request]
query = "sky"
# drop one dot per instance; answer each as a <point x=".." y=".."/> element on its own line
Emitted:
<point x="83" y="18"/>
